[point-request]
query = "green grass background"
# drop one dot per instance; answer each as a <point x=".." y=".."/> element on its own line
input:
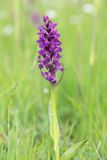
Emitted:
<point x="81" y="96"/>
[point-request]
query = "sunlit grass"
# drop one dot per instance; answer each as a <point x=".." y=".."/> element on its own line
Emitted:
<point x="24" y="132"/>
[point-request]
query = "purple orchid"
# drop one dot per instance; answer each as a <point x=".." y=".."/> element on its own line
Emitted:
<point x="50" y="47"/>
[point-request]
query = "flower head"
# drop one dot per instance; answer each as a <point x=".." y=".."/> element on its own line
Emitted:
<point x="49" y="52"/>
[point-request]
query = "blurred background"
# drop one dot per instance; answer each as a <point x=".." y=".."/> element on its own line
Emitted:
<point x="24" y="94"/>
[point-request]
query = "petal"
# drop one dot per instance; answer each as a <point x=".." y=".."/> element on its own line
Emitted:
<point x="41" y="66"/>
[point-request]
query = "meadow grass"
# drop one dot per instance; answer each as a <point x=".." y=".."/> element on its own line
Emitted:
<point x="81" y="96"/>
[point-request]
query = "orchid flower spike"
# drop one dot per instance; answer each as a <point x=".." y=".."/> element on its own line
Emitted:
<point x="49" y="51"/>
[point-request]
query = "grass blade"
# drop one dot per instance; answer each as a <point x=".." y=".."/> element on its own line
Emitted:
<point x="69" y="153"/>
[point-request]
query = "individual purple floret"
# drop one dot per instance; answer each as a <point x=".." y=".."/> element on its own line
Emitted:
<point x="49" y="56"/>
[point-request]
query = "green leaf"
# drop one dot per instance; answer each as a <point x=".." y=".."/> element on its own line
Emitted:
<point x="69" y="153"/>
<point x="54" y="127"/>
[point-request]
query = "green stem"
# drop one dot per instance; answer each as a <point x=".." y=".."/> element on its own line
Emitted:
<point x="57" y="154"/>
<point x="54" y="125"/>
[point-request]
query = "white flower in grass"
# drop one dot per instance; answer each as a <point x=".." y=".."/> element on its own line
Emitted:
<point x="45" y="90"/>
<point x="51" y="13"/>
<point x="8" y="30"/>
<point x="88" y="8"/>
